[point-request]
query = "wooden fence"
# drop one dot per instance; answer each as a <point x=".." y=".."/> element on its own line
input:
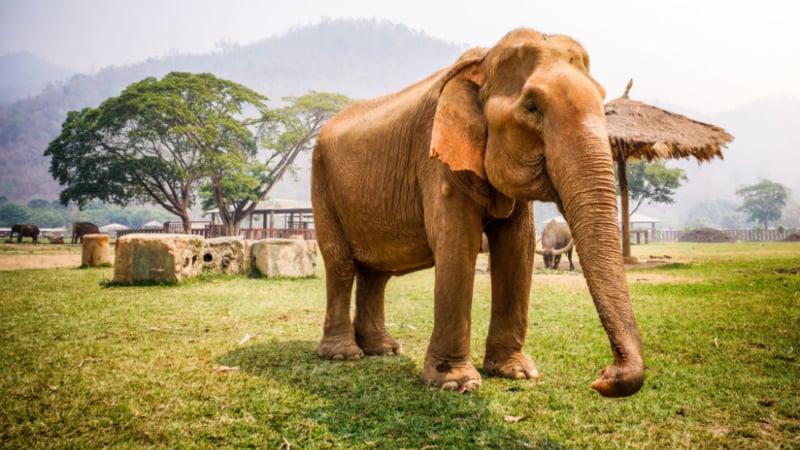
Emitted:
<point x="211" y="231"/>
<point x="278" y="233"/>
<point x="739" y="235"/>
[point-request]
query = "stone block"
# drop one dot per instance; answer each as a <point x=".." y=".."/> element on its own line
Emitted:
<point x="160" y="258"/>
<point x="292" y="258"/>
<point x="225" y="255"/>
<point x="95" y="250"/>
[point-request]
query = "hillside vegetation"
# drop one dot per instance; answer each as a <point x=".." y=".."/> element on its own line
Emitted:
<point x="356" y="58"/>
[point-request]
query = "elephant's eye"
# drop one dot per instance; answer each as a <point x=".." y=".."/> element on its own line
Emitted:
<point x="528" y="113"/>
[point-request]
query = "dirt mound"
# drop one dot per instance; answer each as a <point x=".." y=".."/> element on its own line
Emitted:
<point x="708" y="235"/>
<point x="794" y="237"/>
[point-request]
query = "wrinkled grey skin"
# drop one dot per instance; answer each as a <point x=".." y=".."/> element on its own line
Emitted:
<point x="556" y="240"/>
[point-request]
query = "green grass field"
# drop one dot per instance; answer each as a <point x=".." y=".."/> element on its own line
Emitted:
<point x="89" y="365"/>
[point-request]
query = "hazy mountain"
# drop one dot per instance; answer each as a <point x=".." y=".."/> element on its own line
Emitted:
<point x="357" y="58"/>
<point x="364" y="59"/>
<point x="24" y="75"/>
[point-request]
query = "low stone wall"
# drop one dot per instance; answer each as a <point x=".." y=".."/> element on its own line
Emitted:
<point x="284" y="257"/>
<point x="160" y="258"/>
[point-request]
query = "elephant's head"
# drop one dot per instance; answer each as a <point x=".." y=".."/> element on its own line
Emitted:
<point x="526" y="116"/>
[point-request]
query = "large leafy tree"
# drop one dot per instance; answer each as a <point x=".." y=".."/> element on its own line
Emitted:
<point x="155" y="142"/>
<point x="239" y="181"/>
<point x="652" y="182"/>
<point x="763" y="201"/>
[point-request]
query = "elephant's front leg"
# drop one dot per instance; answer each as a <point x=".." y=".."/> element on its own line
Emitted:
<point x="511" y="243"/>
<point x="447" y="363"/>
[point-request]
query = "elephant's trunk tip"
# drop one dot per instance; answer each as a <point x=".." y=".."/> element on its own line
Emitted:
<point x="619" y="381"/>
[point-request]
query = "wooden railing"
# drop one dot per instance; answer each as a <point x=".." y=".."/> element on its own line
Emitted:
<point x="212" y="231"/>
<point x="277" y="233"/>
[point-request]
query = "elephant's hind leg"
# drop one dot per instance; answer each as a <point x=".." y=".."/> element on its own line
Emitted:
<point x="370" y="324"/>
<point x="338" y="340"/>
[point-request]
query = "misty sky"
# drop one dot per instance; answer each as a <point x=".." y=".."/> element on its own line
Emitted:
<point x="702" y="55"/>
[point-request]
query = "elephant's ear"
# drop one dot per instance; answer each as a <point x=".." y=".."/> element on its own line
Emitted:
<point x="459" y="129"/>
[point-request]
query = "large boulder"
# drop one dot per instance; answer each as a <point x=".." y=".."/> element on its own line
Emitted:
<point x="225" y="255"/>
<point x="159" y="258"/>
<point x="95" y="250"/>
<point x="292" y="258"/>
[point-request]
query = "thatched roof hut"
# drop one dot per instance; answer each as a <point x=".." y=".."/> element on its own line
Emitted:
<point x="640" y="131"/>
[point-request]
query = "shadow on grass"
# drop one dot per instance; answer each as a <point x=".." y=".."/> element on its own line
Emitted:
<point x="377" y="401"/>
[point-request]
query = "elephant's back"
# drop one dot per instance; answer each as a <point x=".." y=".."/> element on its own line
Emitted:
<point x="374" y="148"/>
<point x="366" y="171"/>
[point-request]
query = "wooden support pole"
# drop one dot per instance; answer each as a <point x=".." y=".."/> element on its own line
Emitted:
<point x="625" y="214"/>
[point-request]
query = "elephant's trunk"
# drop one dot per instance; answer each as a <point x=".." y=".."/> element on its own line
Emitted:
<point x="585" y="183"/>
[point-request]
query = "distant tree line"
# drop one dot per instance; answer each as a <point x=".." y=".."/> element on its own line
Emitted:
<point x="361" y="58"/>
<point x="763" y="203"/>
<point x="46" y="214"/>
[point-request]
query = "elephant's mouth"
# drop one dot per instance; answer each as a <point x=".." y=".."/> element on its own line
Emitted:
<point x="533" y="182"/>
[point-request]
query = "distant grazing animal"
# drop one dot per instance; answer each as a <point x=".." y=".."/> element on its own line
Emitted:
<point x="556" y="240"/>
<point x="81" y="228"/>
<point x="25" y="230"/>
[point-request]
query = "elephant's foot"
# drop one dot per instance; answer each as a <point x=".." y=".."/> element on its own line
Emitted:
<point x="340" y="347"/>
<point x="379" y="344"/>
<point x="620" y="381"/>
<point x="450" y="375"/>
<point x="516" y="366"/>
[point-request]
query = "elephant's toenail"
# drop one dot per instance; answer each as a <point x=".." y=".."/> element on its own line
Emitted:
<point x="450" y="386"/>
<point x="470" y="386"/>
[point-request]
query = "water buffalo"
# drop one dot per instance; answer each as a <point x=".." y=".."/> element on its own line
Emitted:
<point x="81" y="228"/>
<point x="556" y="240"/>
<point x="25" y="230"/>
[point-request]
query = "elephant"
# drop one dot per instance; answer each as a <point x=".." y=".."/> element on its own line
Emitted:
<point x="81" y="228"/>
<point x="410" y="180"/>
<point x="556" y="240"/>
<point x="25" y="230"/>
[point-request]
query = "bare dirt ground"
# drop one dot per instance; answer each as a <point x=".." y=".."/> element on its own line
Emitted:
<point x="565" y="277"/>
<point x="26" y="256"/>
<point x="20" y="262"/>
<point x="40" y="256"/>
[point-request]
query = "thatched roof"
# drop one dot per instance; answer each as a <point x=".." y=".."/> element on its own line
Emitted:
<point x="638" y="130"/>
